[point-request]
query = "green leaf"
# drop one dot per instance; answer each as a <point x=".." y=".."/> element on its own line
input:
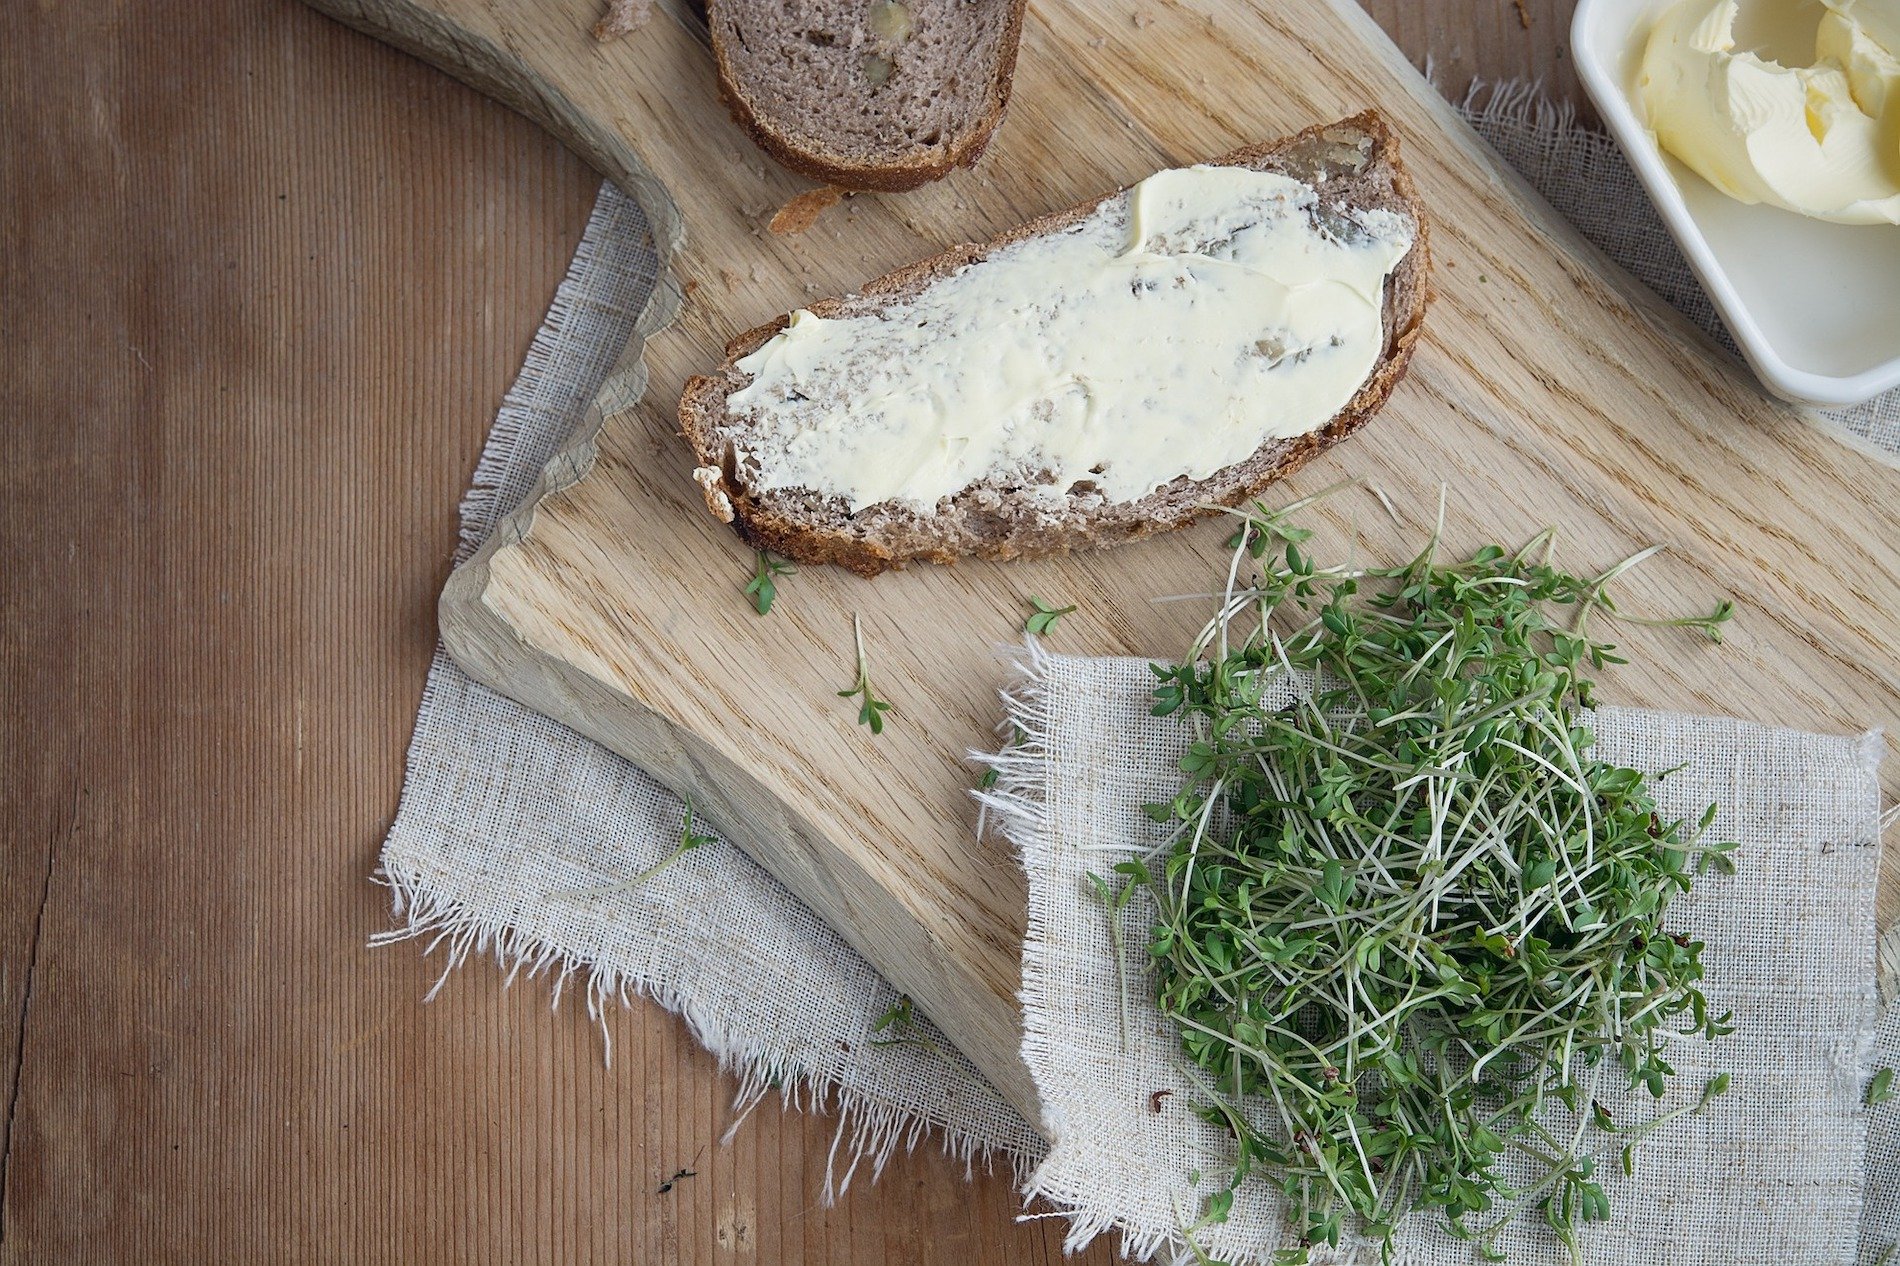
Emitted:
<point x="1045" y="615"/>
<point x="762" y="588"/>
<point x="898" y="1015"/>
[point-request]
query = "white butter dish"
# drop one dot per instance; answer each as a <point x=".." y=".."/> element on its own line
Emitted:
<point x="1814" y="306"/>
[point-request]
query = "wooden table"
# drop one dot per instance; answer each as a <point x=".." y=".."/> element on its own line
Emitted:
<point x="262" y="286"/>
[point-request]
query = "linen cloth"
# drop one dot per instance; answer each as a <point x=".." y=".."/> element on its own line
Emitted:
<point x="508" y="820"/>
<point x="1771" y="1173"/>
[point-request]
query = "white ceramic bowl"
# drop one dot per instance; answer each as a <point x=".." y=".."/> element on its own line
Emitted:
<point x="1814" y="306"/>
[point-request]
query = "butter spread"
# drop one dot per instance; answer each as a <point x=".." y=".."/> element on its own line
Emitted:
<point x="1821" y="140"/>
<point x="1172" y="331"/>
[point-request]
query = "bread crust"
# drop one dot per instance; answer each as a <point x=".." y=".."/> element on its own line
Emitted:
<point x="897" y="175"/>
<point x="1408" y="292"/>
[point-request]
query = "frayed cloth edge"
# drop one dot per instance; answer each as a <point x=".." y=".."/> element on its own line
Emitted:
<point x="1018" y="804"/>
<point x="868" y="1133"/>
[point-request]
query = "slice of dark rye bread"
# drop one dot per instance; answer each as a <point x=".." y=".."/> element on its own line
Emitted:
<point x="1354" y="162"/>
<point x="867" y="94"/>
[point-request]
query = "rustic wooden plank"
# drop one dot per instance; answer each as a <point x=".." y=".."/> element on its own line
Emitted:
<point x="226" y="511"/>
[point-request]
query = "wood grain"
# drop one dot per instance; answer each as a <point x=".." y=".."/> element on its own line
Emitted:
<point x="1556" y="388"/>
<point x="239" y="427"/>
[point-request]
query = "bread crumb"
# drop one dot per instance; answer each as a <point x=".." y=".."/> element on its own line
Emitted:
<point x="803" y="211"/>
<point x="1523" y="14"/>
<point x="1144" y="19"/>
<point x="623" y="17"/>
<point x="709" y="478"/>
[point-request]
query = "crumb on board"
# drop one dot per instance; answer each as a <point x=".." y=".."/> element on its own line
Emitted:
<point x="803" y="211"/>
<point x="623" y="17"/>
<point x="1144" y="19"/>
<point x="1523" y="14"/>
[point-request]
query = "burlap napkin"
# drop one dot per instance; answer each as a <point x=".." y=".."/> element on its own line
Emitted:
<point x="506" y="816"/>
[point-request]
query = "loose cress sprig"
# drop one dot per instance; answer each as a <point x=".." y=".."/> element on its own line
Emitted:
<point x="1114" y="901"/>
<point x="763" y="587"/>
<point x="1408" y="923"/>
<point x="871" y="710"/>
<point x="901" y="1022"/>
<point x="689" y="840"/>
<point x="1045" y="615"/>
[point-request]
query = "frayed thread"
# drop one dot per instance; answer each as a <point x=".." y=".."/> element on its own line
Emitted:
<point x="1887" y="966"/>
<point x="1015" y="798"/>
<point x="1872" y="749"/>
<point x="868" y="1133"/>
<point x="1516" y="103"/>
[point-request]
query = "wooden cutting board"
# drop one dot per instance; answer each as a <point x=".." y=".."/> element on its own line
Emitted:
<point x="1550" y="389"/>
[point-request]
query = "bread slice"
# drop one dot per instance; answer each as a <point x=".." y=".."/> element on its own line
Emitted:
<point x="867" y="94"/>
<point x="1354" y="162"/>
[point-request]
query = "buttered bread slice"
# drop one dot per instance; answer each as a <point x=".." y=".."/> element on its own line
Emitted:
<point x="1092" y="377"/>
